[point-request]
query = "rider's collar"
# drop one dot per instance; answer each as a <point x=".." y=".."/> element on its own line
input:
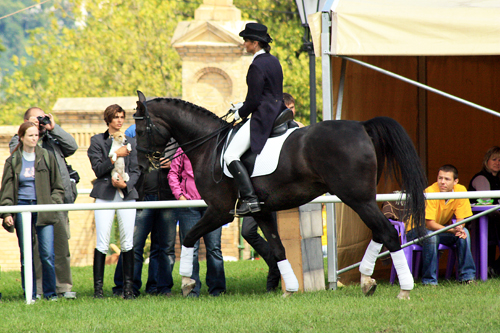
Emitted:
<point x="258" y="53"/>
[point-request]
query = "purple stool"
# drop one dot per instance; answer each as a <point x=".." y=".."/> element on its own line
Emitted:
<point x="416" y="249"/>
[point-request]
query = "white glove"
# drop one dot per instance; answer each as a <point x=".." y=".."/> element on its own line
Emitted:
<point x="236" y="107"/>
<point x="236" y="115"/>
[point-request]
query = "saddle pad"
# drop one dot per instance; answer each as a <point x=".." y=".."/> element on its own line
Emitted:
<point x="267" y="161"/>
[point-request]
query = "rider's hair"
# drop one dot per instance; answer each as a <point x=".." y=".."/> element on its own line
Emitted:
<point x="111" y="111"/>
<point x="265" y="46"/>
<point x="450" y="168"/>
<point x="492" y="152"/>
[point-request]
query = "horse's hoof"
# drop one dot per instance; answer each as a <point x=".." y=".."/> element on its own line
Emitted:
<point x="187" y="285"/>
<point x="287" y="294"/>
<point x="404" y="294"/>
<point x="368" y="286"/>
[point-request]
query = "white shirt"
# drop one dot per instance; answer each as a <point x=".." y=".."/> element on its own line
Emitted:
<point x="261" y="51"/>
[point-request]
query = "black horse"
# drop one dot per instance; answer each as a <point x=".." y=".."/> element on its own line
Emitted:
<point x="345" y="158"/>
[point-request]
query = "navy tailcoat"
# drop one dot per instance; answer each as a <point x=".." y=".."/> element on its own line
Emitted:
<point x="264" y="98"/>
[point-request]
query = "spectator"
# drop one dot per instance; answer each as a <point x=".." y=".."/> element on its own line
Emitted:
<point x="60" y="144"/>
<point x="162" y="225"/>
<point x="439" y="213"/>
<point x="485" y="180"/>
<point x="130" y="131"/>
<point x="26" y="163"/>
<point x="105" y="191"/>
<point x="181" y="180"/>
<point x="290" y="104"/>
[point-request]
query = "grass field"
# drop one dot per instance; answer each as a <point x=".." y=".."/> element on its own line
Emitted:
<point x="246" y="307"/>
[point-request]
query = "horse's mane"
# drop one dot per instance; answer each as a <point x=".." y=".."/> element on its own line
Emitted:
<point x="191" y="106"/>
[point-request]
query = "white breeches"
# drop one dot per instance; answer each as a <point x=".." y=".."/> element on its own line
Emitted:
<point x="239" y="145"/>
<point x="104" y="221"/>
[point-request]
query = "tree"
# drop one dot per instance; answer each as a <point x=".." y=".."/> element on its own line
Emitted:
<point x="120" y="47"/>
<point x="15" y="29"/>
<point x="124" y="45"/>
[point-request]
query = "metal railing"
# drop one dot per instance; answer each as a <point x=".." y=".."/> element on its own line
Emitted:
<point x="329" y="200"/>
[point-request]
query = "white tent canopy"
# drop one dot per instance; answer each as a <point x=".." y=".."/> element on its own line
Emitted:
<point x="415" y="27"/>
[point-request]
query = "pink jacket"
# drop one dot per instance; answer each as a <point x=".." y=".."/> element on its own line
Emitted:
<point x="181" y="178"/>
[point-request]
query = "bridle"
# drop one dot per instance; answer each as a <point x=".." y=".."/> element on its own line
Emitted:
<point x="154" y="156"/>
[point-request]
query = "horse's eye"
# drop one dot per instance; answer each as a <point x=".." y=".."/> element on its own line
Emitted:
<point x="139" y="132"/>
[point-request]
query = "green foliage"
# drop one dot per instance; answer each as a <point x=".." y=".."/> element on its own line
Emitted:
<point x="15" y="29"/>
<point x="120" y="46"/>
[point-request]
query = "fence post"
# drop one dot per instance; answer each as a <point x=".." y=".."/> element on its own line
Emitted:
<point x="331" y="232"/>
<point x="28" y="256"/>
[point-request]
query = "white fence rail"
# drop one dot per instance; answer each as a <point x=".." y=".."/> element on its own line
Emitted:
<point x="201" y="203"/>
<point x="328" y="199"/>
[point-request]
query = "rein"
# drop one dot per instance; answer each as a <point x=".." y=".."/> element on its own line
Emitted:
<point x="154" y="156"/>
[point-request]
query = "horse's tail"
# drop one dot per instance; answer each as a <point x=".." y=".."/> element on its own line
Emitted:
<point x="395" y="150"/>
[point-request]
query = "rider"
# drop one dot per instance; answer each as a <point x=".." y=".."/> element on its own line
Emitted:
<point x="264" y="101"/>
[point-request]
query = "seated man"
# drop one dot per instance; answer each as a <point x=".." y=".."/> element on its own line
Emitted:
<point x="439" y="213"/>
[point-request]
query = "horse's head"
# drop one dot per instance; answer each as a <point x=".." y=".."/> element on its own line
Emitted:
<point x="151" y="136"/>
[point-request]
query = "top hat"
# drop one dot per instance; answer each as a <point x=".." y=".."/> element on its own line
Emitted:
<point x="257" y="32"/>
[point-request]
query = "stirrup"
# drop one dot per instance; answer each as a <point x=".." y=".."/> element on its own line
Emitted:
<point x="246" y="208"/>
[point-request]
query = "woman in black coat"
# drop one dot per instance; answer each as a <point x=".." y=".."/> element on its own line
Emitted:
<point x="264" y="101"/>
<point x="107" y="189"/>
<point x="488" y="179"/>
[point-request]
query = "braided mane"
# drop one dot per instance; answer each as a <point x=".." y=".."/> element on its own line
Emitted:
<point x="186" y="104"/>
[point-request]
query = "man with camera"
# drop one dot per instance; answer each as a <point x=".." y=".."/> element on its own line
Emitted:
<point x="62" y="145"/>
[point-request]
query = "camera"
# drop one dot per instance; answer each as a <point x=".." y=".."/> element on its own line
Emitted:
<point x="43" y="120"/>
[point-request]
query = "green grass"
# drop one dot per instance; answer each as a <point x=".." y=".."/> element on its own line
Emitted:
<point x="246" y="307"/>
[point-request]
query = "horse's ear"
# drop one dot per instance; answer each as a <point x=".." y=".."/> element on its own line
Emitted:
<point x="142" y="98"/>
<point x="140" y="109"/>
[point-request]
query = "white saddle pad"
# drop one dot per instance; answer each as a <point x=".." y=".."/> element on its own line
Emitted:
<point x="267" y="161"/>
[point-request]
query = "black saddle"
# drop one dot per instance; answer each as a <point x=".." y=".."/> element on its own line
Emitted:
<point x="283" y="122"/>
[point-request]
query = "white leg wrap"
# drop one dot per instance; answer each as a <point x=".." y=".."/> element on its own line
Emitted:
<point x="291" y="282"/>
<point x="403" y="270"/>
<point x="186" y="264"/>
<point x="368" y="262"/>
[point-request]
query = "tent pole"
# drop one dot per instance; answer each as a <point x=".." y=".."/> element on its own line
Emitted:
<point x="340" y="99"/>
<point x="326" y="67"/>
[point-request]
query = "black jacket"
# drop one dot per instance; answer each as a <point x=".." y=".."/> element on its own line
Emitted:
<point x="264" y="98"/>
<point x="493" y="180"/>
<point x="98" y="152"/>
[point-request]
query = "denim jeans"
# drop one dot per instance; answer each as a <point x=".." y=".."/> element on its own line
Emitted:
<point x="161" y="224"/>
<point x="46" y="249"/>
<point x="466" y="266"/>
<point x="215" y="279"/>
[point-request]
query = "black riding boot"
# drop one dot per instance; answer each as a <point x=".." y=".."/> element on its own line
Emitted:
<point x="99" y="261"/>
<point x="128" y="274"/>
<point x="250" y="202"/>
